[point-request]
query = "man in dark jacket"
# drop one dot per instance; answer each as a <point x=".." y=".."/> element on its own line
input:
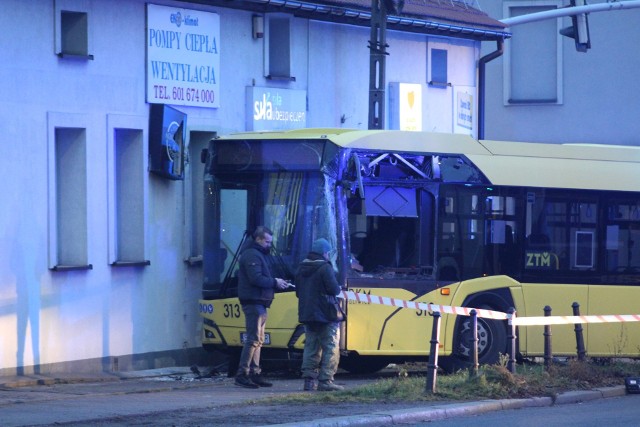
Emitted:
<point x="321" y="314"/>
<point x="256" y="290"/>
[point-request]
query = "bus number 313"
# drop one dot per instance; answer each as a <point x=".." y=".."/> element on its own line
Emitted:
<point x="232" y="310"/>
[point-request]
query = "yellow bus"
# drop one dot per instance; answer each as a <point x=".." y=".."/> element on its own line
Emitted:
<point x="428" y="217"/>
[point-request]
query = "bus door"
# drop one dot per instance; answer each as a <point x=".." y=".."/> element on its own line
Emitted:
<point x="617" y="292"/>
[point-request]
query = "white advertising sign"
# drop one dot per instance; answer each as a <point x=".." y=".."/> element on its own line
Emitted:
<point x="464" y="109"/>
<point x="183" y="56"/>
<point x="276" y="109"/>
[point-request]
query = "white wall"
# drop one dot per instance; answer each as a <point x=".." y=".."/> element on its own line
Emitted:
<point x="49" y="317"/>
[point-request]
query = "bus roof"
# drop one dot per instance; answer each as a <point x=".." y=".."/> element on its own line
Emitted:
<point x="598" y="167"/>
<point x="580" y="166"/>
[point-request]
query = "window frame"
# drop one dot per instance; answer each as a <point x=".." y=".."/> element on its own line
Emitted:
<point x="117" y="122"/>
<point x="77" y="122"/>
<point x="70" y="6"/>
<point x="508" y="99"/>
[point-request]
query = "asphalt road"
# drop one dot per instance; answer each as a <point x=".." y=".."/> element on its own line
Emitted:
<point x="621" y="411"/>
<point x="176" y="397"/>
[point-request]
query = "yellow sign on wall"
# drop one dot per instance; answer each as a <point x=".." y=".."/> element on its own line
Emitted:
<point x="405" y="102"/>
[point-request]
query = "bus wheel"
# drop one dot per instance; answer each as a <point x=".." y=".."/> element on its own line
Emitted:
<point x="492" y="341"/>
<point x="356" y="364"/>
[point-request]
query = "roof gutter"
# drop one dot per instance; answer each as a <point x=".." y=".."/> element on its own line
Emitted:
<point x="481" y="77"/>
<point x="398" y="23"/>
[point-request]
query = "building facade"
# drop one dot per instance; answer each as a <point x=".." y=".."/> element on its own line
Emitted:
<point x="543" y="90"/>
<point x="100" y="265"/>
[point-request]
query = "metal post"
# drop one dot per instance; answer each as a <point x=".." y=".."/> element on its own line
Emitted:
<point x="547" y="340"/>
<point x="582" y="353"/>
<point x="432" y="366"/>
<point x="473" y="370"/>
<point x="377" y="64"/>
<point x="512" y="338"/>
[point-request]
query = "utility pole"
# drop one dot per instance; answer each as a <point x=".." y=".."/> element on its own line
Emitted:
<point x="378" y="57"/>
<point x="377" y="63"/>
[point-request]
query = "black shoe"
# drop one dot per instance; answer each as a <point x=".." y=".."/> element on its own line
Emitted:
<point x="310" y="384"/>
<point x="257" y="379"/>
<point x="245" y="381"/>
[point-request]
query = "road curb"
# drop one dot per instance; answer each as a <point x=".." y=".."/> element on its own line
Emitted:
<point x="452" y="410"/>
<point x="586" y="395"/>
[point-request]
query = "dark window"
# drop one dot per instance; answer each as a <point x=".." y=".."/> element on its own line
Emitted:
<point x="74" y="33"/>
<point x="562" y="233"/>
<point x="280" y="48"/>
<point x="439" y="67"/>
<point x="622" y="240"/>
<point x="478" y="232"/>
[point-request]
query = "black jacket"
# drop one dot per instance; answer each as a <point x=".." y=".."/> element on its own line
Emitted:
<point x="316" y="288"/>
<point x="255" y="284"/>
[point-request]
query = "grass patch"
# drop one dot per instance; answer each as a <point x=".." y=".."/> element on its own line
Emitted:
<point x="492" y="382"/>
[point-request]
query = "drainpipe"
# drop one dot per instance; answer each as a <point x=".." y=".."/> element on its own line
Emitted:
<point x="481" y="76"/>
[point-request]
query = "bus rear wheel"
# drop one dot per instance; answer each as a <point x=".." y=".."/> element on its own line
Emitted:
<point x="492" y="341"/>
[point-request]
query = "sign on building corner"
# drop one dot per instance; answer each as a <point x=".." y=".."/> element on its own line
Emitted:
<point x="183" y="57"/>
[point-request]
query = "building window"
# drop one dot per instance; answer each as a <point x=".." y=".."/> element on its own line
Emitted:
<point x="533" y="56"/>
<point x="129" y="196"/>
<point x="68" y="200"/>
<point x="278" y="47"/>
<point x="73" y="31"/>
<point x="439" y="77"/>
<point x="127" y="183"/>
<point x="73" y="38"/>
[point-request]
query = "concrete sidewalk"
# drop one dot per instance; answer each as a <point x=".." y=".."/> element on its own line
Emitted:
<point x="51" y="399"/>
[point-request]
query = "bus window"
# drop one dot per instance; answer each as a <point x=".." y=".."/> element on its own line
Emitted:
<point x="296" y="206"/>
<point x="461" y="234"/>
<point x="622" y="242"/>
<point x="563" y="234"/>
<point x="382" y="243"/>
<point x="233" y="223"/>
<point x="478" y="232"/>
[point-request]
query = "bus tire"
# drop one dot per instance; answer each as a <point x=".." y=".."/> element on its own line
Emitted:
<point x="356" y="364"/>
<point x="492" y="341"/>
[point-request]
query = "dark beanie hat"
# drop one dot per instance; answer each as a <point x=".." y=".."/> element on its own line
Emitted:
<point x="321" y="246"/>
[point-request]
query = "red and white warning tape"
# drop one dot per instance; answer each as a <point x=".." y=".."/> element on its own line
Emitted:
<point x="488" y="314"/>
<point x="566" y="320"/>
<point x="394" y="302"/>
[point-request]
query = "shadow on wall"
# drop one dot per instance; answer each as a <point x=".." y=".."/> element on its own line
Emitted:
<point x="26" y="260"/>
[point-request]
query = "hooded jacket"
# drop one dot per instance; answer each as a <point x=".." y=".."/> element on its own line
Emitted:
<point x="255" y="283"/>
<point x="316" y="289"/>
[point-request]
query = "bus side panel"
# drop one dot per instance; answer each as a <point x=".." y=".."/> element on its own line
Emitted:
<point x="224" y="322"/>
<point x="613" y="339"/>
<point x="283" y="319"/>
<point x="374" y="329"/>
<point x="560" y="298"/>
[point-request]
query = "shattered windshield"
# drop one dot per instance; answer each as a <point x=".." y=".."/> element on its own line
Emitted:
<point x="296" y="206"/>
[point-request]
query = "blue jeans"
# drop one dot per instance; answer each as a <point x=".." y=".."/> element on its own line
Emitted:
<point x="255" y="321"/>
<point x="321" y="350"/>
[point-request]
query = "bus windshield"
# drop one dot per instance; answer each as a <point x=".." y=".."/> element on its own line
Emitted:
<point x="296" y="206"/>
